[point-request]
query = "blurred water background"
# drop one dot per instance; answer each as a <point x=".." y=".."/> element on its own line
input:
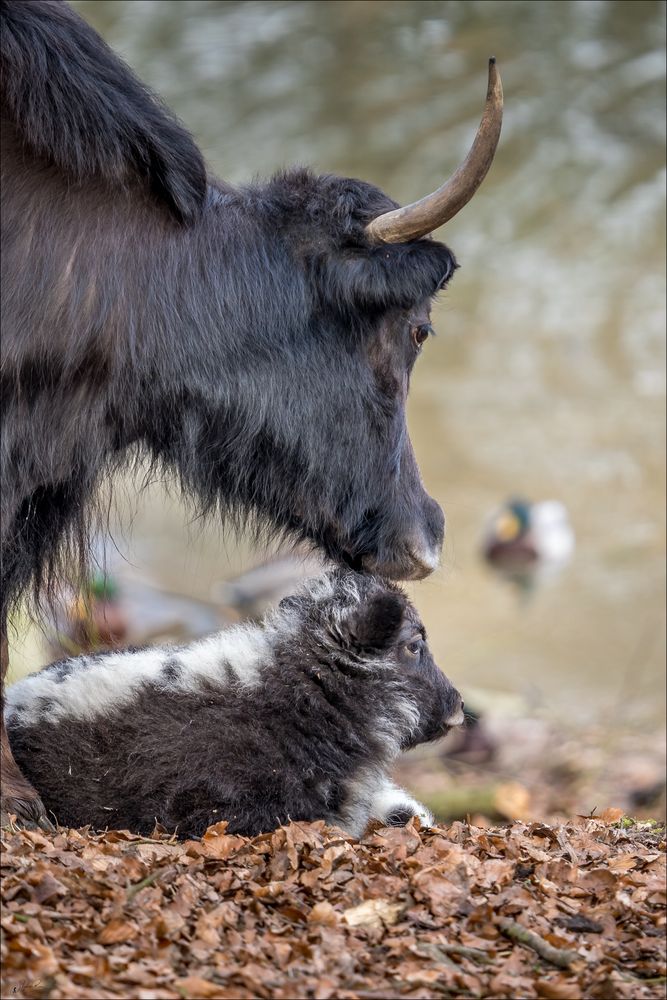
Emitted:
<point x="547" y="377"/>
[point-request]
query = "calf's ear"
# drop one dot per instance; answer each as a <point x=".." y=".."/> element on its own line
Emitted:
<point x="375" y="624"/>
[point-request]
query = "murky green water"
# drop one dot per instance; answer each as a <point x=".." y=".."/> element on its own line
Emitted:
<point x="547" y="378"/>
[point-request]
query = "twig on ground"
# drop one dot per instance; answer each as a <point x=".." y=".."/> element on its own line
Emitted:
<point x="557" y="956"/>
<point x="153" y="877"/>
<point x="442" y="950"/>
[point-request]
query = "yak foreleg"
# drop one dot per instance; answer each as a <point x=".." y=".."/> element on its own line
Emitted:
<point x="18" y="798"/>
<point x="394" y="806"/>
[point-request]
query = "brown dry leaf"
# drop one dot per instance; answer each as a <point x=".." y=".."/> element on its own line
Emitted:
<point x="217" y="844"/>
<point x="623" y="863"/>
<point x="154" y="852"/>
<point x="495" y="872"/>
<point x="207" y="928"/>
<point x="195" y="987"/>
<point x="512" y="800"/>
<point x="373" y="913"/>
<point x="398" y="841"/>
<point x="598" y="881"/>
<point x="44" y="962"/>
<point x="117" y="931"/>
<point x="556" y="989"/>
<point x="323" y="913"/>
<point x="169" y="923"/>
<point x="47" y="888"/>
<point x="611" y="815"/>
<point x="186" y="898"/>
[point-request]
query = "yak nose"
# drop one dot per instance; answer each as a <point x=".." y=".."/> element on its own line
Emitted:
<point x="457" y="717"/>
<point x="413" y="565"/>
<point x="426" y="543"/>
<point x="419" y="555"/>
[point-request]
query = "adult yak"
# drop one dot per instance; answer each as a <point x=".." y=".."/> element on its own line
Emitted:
<point x="257" y="340"/>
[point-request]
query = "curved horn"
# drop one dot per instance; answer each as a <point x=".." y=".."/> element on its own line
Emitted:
<point x="422" y="217"/>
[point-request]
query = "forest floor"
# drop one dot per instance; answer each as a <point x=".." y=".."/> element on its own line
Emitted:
<point x="563" y="909"/>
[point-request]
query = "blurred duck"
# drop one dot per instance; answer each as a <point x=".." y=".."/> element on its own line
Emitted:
<point x="90" y="619"/>
<point x="121" y="608"/>
<point x="525" y="539"/>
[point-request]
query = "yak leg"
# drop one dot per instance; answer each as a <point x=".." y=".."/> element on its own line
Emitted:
<point x="18" y="797"/>
<point x="394" y="806"/>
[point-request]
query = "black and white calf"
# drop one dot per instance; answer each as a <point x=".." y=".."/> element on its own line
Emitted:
<point x="299" y="717"/>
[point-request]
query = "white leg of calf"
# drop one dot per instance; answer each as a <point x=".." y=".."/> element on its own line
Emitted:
<point x="392" y="804"/>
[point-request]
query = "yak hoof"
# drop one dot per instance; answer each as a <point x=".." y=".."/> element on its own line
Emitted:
<point x="26" y="814"/>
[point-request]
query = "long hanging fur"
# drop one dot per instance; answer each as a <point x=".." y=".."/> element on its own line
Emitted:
<point x="78" y="107"/>
<point x="300" y="717"/>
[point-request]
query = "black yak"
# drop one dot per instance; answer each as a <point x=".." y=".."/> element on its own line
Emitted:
<point x="256" y="340"/>
<point x="299" y="717"/>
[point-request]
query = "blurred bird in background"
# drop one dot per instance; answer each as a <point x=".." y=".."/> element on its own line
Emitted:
<point x="118" y="607"/>
<point x="528" y="542"/>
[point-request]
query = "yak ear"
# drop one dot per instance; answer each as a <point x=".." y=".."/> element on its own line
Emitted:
<point x="375" y="624"/>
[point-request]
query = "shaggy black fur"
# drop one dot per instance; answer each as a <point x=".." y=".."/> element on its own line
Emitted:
<point x="348" y="683"/>
<point x="81" y="109"/>
<point x="249" y="339"/>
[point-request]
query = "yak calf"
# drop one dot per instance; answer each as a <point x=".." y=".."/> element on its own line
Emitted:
<point x="299" y="717"/>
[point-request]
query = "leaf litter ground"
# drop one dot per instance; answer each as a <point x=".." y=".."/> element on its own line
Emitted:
<point x="568" y="910"/>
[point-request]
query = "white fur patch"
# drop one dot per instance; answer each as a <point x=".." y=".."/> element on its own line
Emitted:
<point x="98" y="685"/>
<point x="391" y="731"/>
<point x="244" y="648"/>
<point x="389" y="798"/>
<point x="91" y="688"/>
<point x="356" y="810"/>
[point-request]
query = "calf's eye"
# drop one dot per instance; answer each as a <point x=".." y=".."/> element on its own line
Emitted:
<point x="414" y="648"/>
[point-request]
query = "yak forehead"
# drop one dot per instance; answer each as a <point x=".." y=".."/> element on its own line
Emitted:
<point x="323" y="201"/>
<point x="323" y="219"/>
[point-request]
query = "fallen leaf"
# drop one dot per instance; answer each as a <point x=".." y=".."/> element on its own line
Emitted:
<point x="373" y="913"/>
<point x="611" y="815"/>
<point x="323" y="913"/>
<point x="217" y="844"/>
<point x="556" y="989"/>
<point x="117" y="931"/>
<point x="194" y="987"/>
<point x="512" y="800"/>
<point x="47" y="888"/>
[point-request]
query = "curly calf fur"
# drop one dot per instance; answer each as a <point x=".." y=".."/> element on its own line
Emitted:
<point x="299" y="717"/>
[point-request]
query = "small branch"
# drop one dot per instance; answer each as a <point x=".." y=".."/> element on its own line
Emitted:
<point x="153" y="877"/>
<point x="476" y="954"/>
<point x="444" y="950"/>
<point x="557" y="956"/>
<point x="162" y="843"/>
<point x="54" y="915"/>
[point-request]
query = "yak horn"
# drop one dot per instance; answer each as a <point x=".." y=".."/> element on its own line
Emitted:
<point x="425" y="215"/>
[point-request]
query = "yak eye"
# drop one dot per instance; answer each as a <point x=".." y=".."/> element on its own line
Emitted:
<point x="421" y="333"/>
<point x="414" y="648"/>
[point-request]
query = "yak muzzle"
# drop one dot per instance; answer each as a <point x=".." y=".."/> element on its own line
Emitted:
<point x="417" y="555"/>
